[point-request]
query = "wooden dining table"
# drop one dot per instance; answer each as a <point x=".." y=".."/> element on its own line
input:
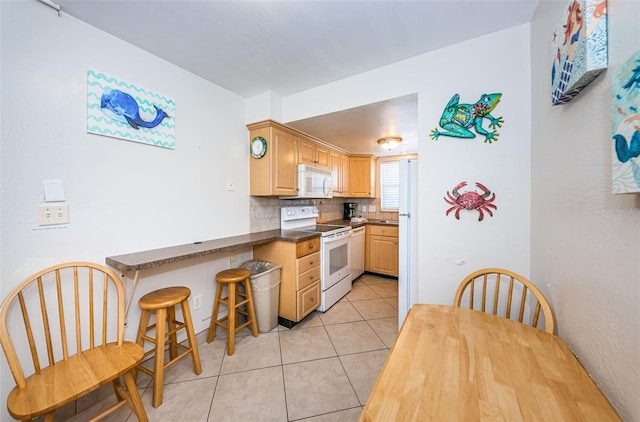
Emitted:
<point x="456" y="364"/>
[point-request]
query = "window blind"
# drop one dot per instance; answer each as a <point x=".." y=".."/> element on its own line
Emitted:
<point x="390" y="185"/>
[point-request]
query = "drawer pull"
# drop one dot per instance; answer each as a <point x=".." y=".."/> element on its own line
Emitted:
<point x="311" y="245"/>
<point x="312" y="299"/>
<point x="310" y="262"/>
<point x="310" y="277"/>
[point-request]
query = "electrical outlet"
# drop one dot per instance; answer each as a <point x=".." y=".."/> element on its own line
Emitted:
<point x="197" y="302"/>
<point x="232" y="256"/>
<point x="50" y="214"/>
<point x="364" y="208"/>
<point x="372" y="208"/>
<point x="231" y="184"/>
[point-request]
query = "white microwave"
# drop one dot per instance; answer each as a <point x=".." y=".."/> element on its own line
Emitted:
<point x="313" y="183"/>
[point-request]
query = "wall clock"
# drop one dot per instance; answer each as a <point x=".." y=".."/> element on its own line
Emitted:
<point x="258" y="147"/>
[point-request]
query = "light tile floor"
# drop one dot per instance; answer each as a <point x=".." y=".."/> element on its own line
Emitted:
<point x="321" y="370"/>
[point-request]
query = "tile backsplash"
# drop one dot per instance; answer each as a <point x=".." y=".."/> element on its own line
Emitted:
<point x="265" y="211"/>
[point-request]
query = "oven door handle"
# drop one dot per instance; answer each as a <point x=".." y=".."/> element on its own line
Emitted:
<point x="334" y="238"/>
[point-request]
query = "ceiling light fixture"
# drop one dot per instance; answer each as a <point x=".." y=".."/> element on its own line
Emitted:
<point x="390" y="142"/>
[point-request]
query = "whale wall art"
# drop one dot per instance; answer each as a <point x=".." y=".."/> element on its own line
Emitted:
<point x="625" y="126"/>
<point x="125" y="111"/>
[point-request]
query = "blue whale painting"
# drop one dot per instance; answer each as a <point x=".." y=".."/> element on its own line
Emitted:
<point x="123" y="107"/>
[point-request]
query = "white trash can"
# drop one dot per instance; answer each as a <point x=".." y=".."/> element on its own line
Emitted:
<point x="265" y="288"/>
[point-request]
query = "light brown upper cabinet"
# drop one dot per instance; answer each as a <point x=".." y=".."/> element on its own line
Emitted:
<point x="362" y="176"/>
<point x="339" y="173"/>
<point x="313" y="154"/>
<point x="276" y="172"/>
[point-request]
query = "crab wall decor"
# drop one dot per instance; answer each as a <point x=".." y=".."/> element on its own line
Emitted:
<point x="458" y="118"/>
<point x="471" y="200"/>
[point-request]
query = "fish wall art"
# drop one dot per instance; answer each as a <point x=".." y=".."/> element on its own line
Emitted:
<point x="457" y="119"/>
<point x="625" y="126"/>
<point x="126" y="111"/>
<point x="579" y="48"/>
<point x="471" y="200"/>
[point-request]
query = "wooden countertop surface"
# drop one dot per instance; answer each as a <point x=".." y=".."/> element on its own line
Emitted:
<point x="455" y="364"/>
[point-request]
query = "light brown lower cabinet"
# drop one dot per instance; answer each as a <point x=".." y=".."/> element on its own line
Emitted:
<point x="382" y="250"/>
<point x="300" y="277"/>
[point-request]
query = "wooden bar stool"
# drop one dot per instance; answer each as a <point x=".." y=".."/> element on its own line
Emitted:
<point x="163" y="302"/>
<point x="233" y="279"/>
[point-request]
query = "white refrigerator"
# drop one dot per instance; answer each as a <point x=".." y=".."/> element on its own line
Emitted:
<point x="408" y="238"/>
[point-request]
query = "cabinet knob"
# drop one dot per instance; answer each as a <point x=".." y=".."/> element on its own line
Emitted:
<point x="312" y="299"/>
<point x="310" y="262"/>
<point x="310" y="277"/>
<point x="311" y="246"/>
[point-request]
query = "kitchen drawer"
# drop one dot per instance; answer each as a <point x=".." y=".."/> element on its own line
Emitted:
<point x="308" y="299"/>
<point x="307" y="262"/>
<point x="307" y="247"/>
<point x="308" y="277"/>
<point x="375" y="230"/>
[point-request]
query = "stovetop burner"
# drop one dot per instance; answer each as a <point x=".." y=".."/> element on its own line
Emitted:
<point x="304" y="219"/>
<point x="322" y="228"/>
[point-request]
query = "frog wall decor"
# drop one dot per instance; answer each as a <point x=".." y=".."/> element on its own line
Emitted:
<point x="458" y="118"/>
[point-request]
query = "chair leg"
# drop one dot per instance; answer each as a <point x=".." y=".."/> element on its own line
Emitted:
<point x="214" y="313"/>
<point x="231" y="294"/>
<point x="117" y="388"/>
<point x="136" y="401"/>
<point x="193" y="344"/>
<point x="250" y="307"/>
<point x="158" y="371"/>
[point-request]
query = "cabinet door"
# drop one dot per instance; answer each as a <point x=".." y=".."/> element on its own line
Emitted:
<point x="361" y="177"/>
<point x="322" y="157"/>
<point x="336" y="173"/>
<point x="384" y="255"/>
<point x="344" y="176"/>
<point x="308" y="299"/>
<point x="284" y="168"/>
<point x="307" y="154"/>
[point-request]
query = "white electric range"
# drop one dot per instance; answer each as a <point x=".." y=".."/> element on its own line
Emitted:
<point x="335" y="251"/>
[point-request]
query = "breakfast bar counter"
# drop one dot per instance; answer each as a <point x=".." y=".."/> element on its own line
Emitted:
<point x="455" y="364"/>
<point x="156" y="257"/>
<point x="153" y="258"/>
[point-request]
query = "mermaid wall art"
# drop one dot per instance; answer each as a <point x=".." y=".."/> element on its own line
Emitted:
<point x="579" y="49"/>
<point x="125" y="111"/>
<point x="625" y="125"/>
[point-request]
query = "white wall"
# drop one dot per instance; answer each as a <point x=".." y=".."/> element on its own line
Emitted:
<point x="494" y="63"/>
<point x="124" y="196"/>
<point x="585" y="240"/>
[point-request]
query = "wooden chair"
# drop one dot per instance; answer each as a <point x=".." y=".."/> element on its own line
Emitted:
<point x="70" y="342"/>
<point x="492" y="282"/>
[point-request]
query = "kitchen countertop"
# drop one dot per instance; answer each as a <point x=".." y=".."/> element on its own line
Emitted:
<point x="355" y="225"/>
<point x="156" y="257"/>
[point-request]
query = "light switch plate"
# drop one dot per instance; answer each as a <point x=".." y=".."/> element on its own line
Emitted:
<point x="50" y="214"/>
